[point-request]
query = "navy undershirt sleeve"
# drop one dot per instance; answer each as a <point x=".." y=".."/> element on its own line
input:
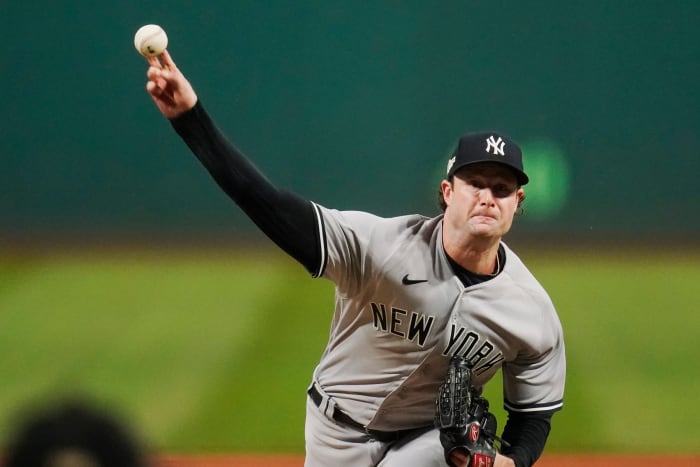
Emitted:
<point x="527" y="434"/>
<point x="286" y="218"/>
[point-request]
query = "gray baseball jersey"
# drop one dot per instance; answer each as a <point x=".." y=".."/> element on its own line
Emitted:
<point x="401" y="312"/>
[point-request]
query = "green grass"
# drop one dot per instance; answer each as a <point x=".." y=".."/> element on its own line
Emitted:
<point x="213" y="351"/>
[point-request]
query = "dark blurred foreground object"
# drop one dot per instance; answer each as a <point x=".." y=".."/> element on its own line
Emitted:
<point x="73" y="434"/>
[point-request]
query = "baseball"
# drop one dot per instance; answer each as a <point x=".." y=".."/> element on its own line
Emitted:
<point x="150" y="40"/>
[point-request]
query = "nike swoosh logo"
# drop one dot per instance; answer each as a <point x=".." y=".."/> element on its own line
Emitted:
<point x="406" y="281"/>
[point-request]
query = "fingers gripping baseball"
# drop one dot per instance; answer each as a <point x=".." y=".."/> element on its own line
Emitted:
<point x="168" y="87"/>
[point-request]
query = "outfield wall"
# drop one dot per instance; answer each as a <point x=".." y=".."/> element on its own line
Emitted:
<point x="353" y="106"/>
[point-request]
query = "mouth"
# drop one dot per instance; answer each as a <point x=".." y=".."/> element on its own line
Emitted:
<point x="483" y="217"/>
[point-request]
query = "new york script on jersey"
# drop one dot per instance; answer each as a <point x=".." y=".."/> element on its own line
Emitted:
<point x="416" y="327"/>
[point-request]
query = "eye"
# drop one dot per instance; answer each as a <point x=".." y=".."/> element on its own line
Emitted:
<point x="502" y="190"/>
<point x="476" y="183"/>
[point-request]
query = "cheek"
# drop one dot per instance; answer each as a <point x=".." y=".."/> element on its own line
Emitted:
<point x="510" y="208"/>
<point x="452" y="197"/>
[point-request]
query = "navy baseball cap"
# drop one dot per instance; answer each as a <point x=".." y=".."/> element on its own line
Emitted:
<point x="487" y="147"/>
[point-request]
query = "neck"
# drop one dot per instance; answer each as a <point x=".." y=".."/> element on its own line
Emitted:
<point x="476" y="255"/>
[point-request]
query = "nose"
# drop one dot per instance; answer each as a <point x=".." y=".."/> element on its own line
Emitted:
<point x="486" y="197"/>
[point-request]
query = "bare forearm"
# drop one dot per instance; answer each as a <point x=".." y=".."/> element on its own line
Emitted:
<point x="503" y="461"/>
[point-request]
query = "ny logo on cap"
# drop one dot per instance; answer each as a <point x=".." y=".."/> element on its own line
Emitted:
<point x="496" y="145"/>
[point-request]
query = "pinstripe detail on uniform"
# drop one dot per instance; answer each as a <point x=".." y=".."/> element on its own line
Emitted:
<point x="323" y="246"/>
<point x="547" y="407"/>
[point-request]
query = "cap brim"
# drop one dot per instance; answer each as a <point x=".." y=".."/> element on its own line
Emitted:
<point x="522" y="178"/>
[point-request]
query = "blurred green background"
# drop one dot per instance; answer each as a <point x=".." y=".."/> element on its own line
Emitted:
<point x="211" y="351"/>
<point x="126" y="275"/>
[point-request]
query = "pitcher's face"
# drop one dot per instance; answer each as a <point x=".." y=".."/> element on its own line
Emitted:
<point x="482" y="199"/>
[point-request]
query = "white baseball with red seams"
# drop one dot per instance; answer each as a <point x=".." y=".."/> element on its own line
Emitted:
<point x="150" y="40"/>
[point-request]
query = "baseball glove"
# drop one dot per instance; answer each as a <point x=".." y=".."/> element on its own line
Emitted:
<point x="463" y="417"/>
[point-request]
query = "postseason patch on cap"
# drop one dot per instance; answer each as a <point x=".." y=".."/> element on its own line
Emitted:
<point x="450" y="163"/>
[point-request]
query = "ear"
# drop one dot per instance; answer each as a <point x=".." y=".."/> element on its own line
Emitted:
<point x="446" y="188"/>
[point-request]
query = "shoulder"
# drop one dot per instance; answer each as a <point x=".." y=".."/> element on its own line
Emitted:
<point x="523" y="280"/>
<point x="533" y="299"/>
<point x="534" y="379"/>
<point x="370" y="224"/>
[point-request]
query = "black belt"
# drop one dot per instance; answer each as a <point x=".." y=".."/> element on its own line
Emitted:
<point x="341" y="417"/>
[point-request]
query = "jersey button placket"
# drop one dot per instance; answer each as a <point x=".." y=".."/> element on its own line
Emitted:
<point x="459" y="304"/>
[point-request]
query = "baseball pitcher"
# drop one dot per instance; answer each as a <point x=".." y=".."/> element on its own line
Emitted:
<point x="427" y="309"/>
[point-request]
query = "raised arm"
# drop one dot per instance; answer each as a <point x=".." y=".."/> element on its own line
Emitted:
<point x="287" y="219"/>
